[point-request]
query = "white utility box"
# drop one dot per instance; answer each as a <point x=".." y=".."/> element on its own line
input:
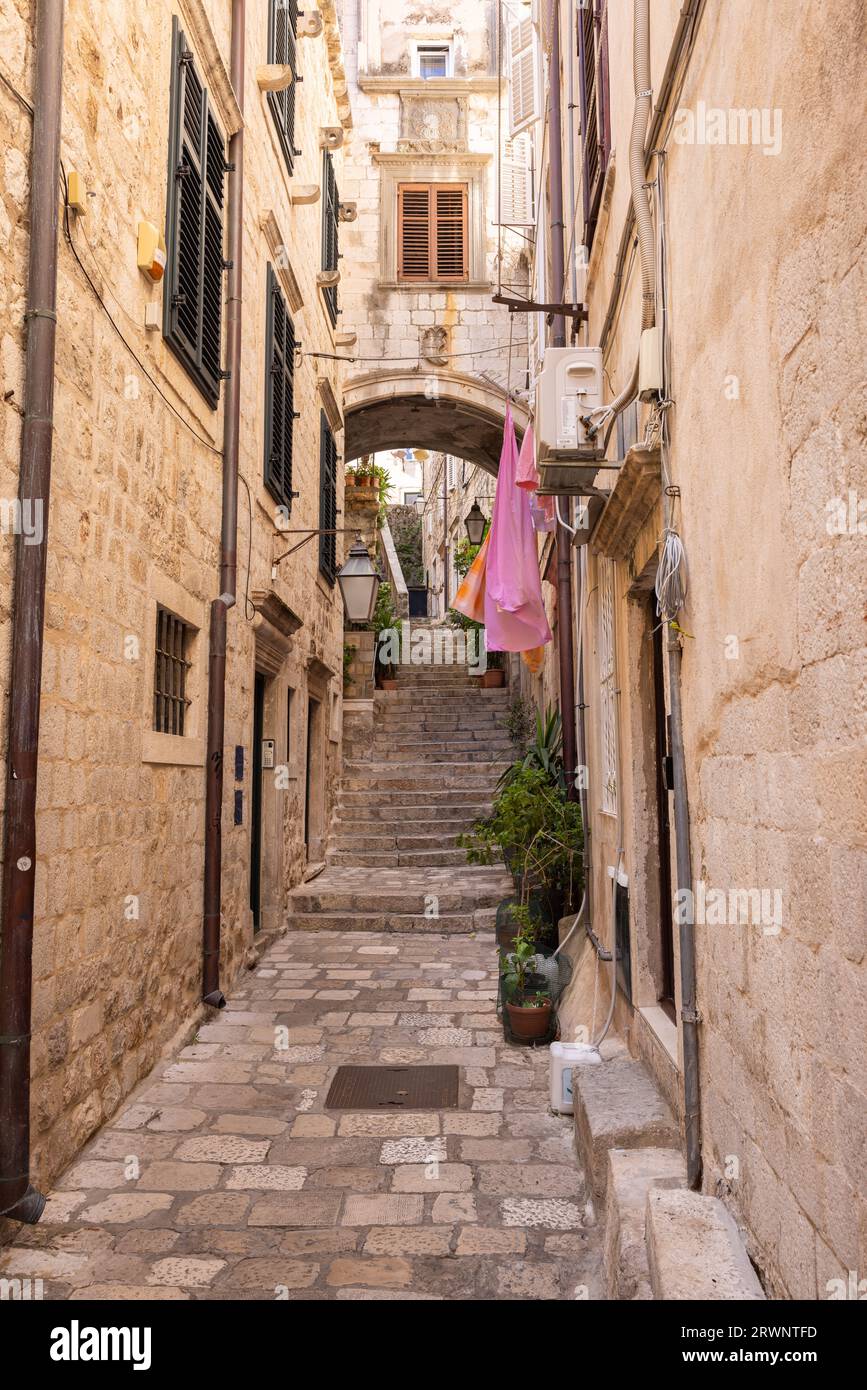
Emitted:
<point x="569" y="385"/>
<point x="564" y="1057"/>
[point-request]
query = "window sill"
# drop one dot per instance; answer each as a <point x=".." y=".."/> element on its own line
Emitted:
<point x="472" y="286"/>
<point x="662" y="1027"/>
<point x="172" y="750"/>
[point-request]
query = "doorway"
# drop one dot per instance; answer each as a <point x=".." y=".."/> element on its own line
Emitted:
<point x="314" y="799"/>
<point x="256" y="802"/>
<point x="665" y="978"/>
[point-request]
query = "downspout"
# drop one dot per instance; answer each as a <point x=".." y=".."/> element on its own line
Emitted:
<point x="212" y="913"/>
<point x="565" y="635"/>
<point x="686" y="935"/>
<point x="18" y="1198"/>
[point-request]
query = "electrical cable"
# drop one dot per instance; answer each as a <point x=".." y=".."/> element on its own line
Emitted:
<point x="67" y="234"/>
<point x="22" y="100"/>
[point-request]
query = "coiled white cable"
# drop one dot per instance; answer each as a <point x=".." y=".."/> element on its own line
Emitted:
<point x="671" y="581"/>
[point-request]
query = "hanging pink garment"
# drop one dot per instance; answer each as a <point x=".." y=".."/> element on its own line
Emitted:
<point x="526" y="476"/>
<point x="514" y="611"/>
<point x="542" y="513"/>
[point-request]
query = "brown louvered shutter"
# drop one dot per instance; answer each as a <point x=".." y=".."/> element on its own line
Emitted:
<point x="432" y="232"/>
<point x="414" y="232"/>
<point x="279" y="396"/>
<point x="593" y="105"/>
<point x="451" y="232"/>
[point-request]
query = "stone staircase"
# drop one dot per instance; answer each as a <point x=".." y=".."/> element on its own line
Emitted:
<point x="415" y="775"/>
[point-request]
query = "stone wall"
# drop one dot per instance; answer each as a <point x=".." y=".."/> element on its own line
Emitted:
<point x="765" y="279"/>
<point x="135" y="519"/>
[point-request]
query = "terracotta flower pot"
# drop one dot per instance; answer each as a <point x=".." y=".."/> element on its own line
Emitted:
<point x="388" y="683"/>
<point x="528" y="1024"/>
<point x="492" y="679"/>
<point x="350" y="480"/>
<point x="365" y="480"/>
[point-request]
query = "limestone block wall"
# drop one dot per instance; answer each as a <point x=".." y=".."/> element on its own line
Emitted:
<point x="135" y="520"/>
<point x="765" y="287"/>
<point x="431" y="328"/>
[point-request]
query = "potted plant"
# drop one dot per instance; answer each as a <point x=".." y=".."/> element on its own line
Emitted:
<point x="494" y="676"/>
<point x="384" y="623"/>
<point x="365" y="475"/>
<point x="350" y="477"/>
<point x="526" y="1000"/>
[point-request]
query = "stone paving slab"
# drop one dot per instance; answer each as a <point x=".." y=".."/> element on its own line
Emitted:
<point x="224" y="1176"/>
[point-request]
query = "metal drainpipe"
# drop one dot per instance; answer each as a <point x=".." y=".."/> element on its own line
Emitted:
<point x="686" y="934"/>
<point x="565" y="636"/>
<point x="212" y="913"/>
<point x="18" y="1198"/>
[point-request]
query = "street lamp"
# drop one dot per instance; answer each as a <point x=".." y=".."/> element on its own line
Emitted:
<point x="419" y="504"/>
<point x="359" y="584"/>
<point x="475" y="523"/>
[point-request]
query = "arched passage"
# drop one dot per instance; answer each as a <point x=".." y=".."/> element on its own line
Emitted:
<point x="444" y="412"/>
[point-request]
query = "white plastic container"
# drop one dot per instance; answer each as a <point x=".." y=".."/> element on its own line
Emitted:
<point x="565" y="1056"/>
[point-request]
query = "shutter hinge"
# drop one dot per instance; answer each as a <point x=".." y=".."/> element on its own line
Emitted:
<point x="185" y="57"/>
<point x="183" y="170"/>
<point x="230" y="167"/>
<point x="225" y="376"/>
<point x="178" y="299"/>
<point x="228" y="265"/>
<point x="296" y="414"/>
<point x="296" y="154"/>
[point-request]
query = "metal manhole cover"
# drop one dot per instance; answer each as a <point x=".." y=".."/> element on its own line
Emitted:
<point x="394" y="1088"/>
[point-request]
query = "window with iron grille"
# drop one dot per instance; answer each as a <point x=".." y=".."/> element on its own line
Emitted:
<point x="594" y="107"/>
<point x="607" y="693"/>
<point x="330" y="249"/>
<point x="283" y="49"/>
<point x="280" y="412"/>
<point x="327" y="499"/>
<point x="432" y="232"/>
<point x="193" y="297"/>
<point x="171" y="664"/>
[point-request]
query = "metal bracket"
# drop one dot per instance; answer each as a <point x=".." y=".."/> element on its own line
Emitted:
<point x="691" y="1015"/>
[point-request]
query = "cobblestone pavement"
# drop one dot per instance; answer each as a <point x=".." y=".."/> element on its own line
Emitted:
<point x="224" y="1177"/>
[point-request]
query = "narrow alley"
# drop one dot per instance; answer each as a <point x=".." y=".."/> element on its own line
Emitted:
<point x="247" y="1186"/>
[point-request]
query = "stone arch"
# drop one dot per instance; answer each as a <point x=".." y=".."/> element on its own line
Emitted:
<point x="446" y="412"/>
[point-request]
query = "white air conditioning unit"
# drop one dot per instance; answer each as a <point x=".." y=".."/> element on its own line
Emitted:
<point x="569" y="385"/>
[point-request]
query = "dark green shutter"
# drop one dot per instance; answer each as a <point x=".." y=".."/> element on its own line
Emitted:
<point x="327" y="499"/>
<point x="193" y="296"/>
<point x="282" y="49"/>
<point x="279" y="395"/>
<point x="330" y="249"/>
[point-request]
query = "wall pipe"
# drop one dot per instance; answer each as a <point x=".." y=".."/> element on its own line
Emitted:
<point x="565" y="636"/>
<point x="212" y="906"/>
<point x="688" y="1012"/>
<point x="19" y="1199"/>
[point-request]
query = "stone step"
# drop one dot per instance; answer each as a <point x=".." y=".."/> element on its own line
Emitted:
<point x="694" y="1249"/>
<point x="451" y="923"/>
<point x="618" y="1106"/>
<point x="432" y="823"/>
<point x="396" y="859"/>
<point x="632" y="1173"/>
<point x="488" y="889"/>
<point x="438" y="753"/>
<point x="416" y="777"/>
<point x="387" y="798"/>
<point x="471" y="697"/>
<point x="354" y="841"/>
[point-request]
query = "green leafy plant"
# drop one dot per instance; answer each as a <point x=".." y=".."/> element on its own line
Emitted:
<point x="537" y="829"/>
<point x="348" y="654"/>
<point x="383" y="483"/>
<point x="545" y="753"/>
<point x="520" y="722"/>
<point x="384" y="620"/>
<point x="463" y="556"/>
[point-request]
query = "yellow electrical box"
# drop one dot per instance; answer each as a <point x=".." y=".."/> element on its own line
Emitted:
<point x="76" y="194"/>
<point x="151" y="251"/>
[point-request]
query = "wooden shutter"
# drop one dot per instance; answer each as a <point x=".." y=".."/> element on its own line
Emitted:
<point x="516" y="183"/>
<point x="193" y="298"/>
<point x="327" y="499"/>
<point x="433" y="235"/>
<point x="279" y="395"/>
<point x="593" y="105"/>
<point x="282" y="48"/>
<point x="450" y="231"/>
<point x="414" y="232"/>
<point x="330" y="216"/>
<point x="523" y="75"/>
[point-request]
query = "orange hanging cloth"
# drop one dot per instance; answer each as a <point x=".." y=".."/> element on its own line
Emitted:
<point x="470" y="597"/>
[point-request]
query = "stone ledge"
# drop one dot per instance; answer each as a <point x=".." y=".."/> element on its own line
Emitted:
<point x="695" y="1251"/>
<point x="617" y="1106"/>
<point x="632" y="1173"/>
<point x="638" y="486"/>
